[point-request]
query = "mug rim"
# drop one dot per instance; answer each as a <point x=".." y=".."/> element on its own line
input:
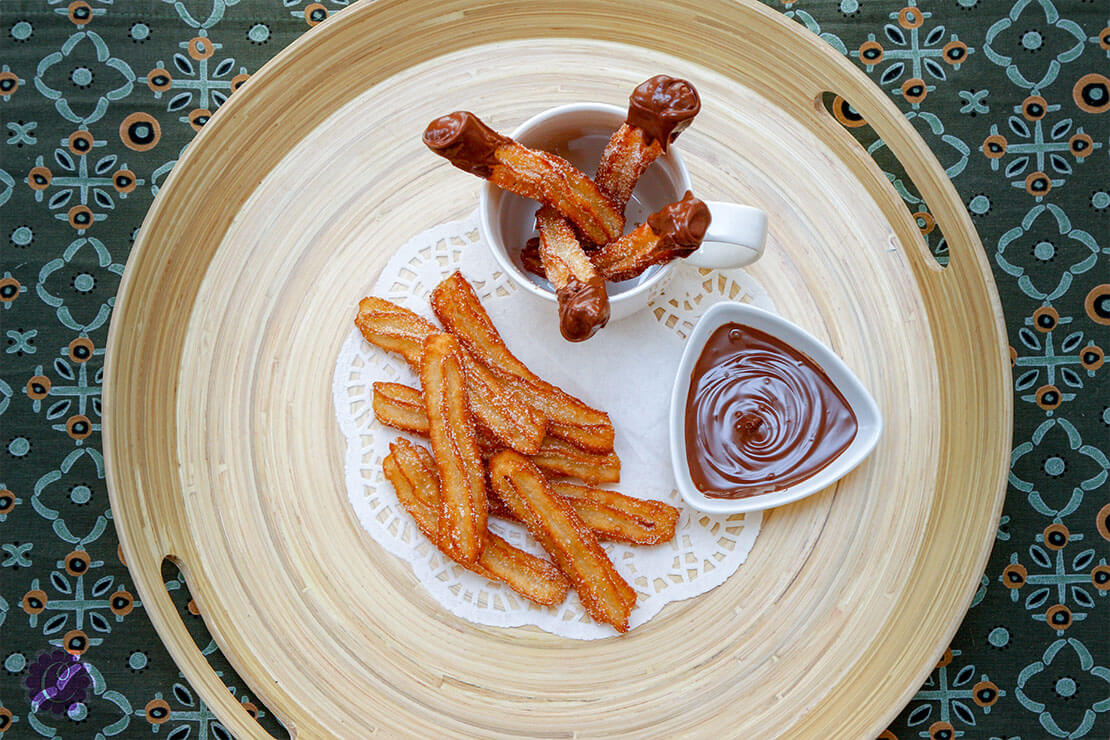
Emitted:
<point x="500" y="251"/>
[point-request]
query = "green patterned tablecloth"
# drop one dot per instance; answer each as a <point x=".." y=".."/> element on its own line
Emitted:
<point x="98" y="99"/>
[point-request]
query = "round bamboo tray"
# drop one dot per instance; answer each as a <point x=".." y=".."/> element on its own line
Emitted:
<point x="223" y="453"/>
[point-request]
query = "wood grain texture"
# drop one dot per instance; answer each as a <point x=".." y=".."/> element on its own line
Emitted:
<point x="223" y="452"/>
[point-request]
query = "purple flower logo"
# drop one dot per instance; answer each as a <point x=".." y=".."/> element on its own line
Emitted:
<point x="56" y="681"/>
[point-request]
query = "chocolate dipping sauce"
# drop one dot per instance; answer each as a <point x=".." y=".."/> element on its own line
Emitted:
<point x="760" y="415"/>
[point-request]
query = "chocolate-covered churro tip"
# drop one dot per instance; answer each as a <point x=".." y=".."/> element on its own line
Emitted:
<point x="583" y="308"/>
<point x="464" y="141"/>
<point x="685" y="221"/>
<point x="663" y="107"/>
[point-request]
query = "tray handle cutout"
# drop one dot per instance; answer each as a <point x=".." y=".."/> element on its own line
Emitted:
<point x="918" y="164"/>
<point x="187" y="654"/>
<point x="861" y="130"/>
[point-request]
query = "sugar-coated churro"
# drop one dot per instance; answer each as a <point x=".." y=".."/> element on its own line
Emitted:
<point x="458" y="308"/>
<point x="659" y="109"/>
<point x="579" y="290"/>
<point x="469" y="144"/>
<point x="412" y="471"/>
<point x="462" y="515"/>
<point x="671" y="232"/>
<point x="606" y="596"/>
<point x="497" y="408"/>
<point x="402" y="407"/>
<point x="612" y="516"/>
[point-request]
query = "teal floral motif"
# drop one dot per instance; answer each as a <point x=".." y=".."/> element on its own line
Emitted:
<point x="82" y="184"/>
<point x="809" y="22"/>
<point x="21" y="31"/>
<point x="214" y="10"/>
<point x="259" y="34"/>
<point x="1064" y="364"/>
<point x="1037" y="148"/>
<point x="1020" y="51"/>
<point x="1102" y="38"/>
<point x="66" y="284"/>
<point x="198" y="83"/>
<point x="76" y="483"/>
<point x="80" y="14"/>
<point x="88" y="69"/>
<point x="188" y="712"/>
<point x="1004" y="532"/>
<point x="953" y="696"/>
<point x="1059" y="676"/>
<point x="974" y="102"/>
<point x="116" y="701"/>
<point x="915" y="52"/>
<point x="1045" y="252"/>
<point x="7" y="184"/>
<point x="1055" y="464"/>
<point x="22" y="134"/>
<point x="158" y="177"/>
<point x="22" y="342"/>
<point x="314" y="12"/>
<point x="1064" y="590"/>
<point x="953" y="154"/>
<point x="76" y="393"/>
<point x="16" y="555"/>
<point x="92" y="602"/>
<point x="980" y="592"/>
<point x="7" y="718"/>
<point x="20" y="237"/>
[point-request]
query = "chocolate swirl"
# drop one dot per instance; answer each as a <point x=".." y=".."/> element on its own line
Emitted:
<point x="684" y="222"/>
<point x="663" y="107"/>
<point x="760" y="415"/>
<point x="464" y="141"/>
<point x="583" y="308"/>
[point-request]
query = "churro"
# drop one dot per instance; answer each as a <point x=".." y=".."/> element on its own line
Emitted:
<point x="560" y="459"/>
<point x="674" y="231"/>
<point x="659" y="109"/>
<point x="402" y="407"/>
<point x="459" y="310"/>
<point x="393" y="328"/>
<point x="495" y="407"/>
<point x="461" y="528"/>
<point x="412" y="471"/>
<point x="469" y="144"/>
<point x="580" y="291"/>
<point x="606" y="596"/>
<point x="612" y="516"/>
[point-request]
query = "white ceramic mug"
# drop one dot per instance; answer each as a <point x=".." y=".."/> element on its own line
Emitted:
<point x="579" y="132"/>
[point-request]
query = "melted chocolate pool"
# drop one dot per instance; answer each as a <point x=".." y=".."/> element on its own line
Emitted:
<point x="760" y="415"/>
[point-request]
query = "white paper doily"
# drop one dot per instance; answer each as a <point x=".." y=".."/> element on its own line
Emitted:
<point x="627" y="369"/>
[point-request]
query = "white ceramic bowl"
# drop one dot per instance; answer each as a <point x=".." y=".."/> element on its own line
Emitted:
<point x="863" y="405"/>
<point x="579" y="132"/>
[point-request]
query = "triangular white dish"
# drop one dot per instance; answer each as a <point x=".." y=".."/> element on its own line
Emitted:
<point x="867" y="414"/>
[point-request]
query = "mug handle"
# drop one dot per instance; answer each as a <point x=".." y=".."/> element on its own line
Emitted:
<point x="735" y="237"/>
